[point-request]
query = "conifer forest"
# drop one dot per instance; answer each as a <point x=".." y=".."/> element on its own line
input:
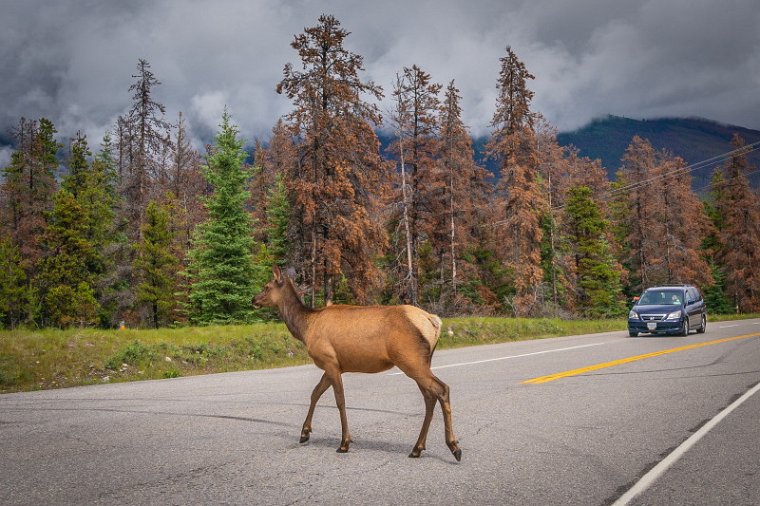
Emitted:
<point x="142" y="228"/>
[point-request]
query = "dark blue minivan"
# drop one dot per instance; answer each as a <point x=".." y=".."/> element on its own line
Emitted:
<point x="674" y="309"/>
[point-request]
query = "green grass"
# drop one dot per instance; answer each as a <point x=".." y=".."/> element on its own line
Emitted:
<point x="50" y="358"/>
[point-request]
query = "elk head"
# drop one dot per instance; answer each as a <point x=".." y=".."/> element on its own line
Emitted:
<point x="271" y="294"/>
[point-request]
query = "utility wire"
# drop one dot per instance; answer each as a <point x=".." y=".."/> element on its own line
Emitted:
<point x="712" y="161"/>
<point x="702" y="164"/>
<point x="690" y="168"/>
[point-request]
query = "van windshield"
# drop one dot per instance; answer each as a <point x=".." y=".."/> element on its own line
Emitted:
<point x="661" y="298"/>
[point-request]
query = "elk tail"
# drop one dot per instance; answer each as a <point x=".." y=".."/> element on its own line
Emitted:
<point x="437" y="325"/>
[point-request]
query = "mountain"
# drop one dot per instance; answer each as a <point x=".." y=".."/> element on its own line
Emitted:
<point x="692" y="139"/>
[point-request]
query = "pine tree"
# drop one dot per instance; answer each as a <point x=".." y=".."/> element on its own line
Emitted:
<point x="14" y="287"/>
<point x="513" y="144"/>
<point x="185" y="188"/>
<point x="464" y="192"/>
<point x="278" y="220"/>
<point x="92" y="183"/>
<point x="143" y="138"/>
<point x="30" y="184"/>
<point x="64" y="283"/>
<point x="643" y="215"/>
<point x="108" y="230"/>
<point x="686" y="224"/>
<point x="664" y="235"/>
<point x="417" y="119"/>
<point x="223" y="276"/>
<point x="340" y="177"/>
<point x="739" y="217"/>
<point x="275" y="161"/>
<point x="597" y="274"/>
<point x="157" y="267"/>
<point x="556" y="170"/>
<point x="715" y="295"/>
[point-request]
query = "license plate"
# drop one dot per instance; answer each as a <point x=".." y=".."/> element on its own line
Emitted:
<point x="652" y="326"/>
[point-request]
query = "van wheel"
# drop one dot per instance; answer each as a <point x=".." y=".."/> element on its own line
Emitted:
<point x="685" y="327"/>
<point x="703" y="327"/>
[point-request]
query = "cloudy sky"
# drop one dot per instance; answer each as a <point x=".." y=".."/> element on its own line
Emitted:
<point x="73" y="60"/>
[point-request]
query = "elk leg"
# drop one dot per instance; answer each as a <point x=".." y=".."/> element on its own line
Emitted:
<point x="429" y="407"/>
<point x="340" y="400"/>
<point x="323" y="385"/>
<point x="442" y="392"/>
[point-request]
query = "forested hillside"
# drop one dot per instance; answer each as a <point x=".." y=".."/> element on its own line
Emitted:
<point x="692" y="139"/>
<point x="142" y="228"/>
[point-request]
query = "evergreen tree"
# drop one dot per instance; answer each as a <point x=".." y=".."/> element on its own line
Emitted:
<point x="513" y="144"/>
<point x="29" y="184"/>
<point x="340" y="177"/>
<point x="555" y="173"/>
<point x="462" y="197"/>
<point x="157" y="267"/>
<point x="417" y="120"/>
<point x="143" y="139"/>
<point x="739" y="210"/>
<point x="597" y="274"/>
<point x="14" y="289"/>
<point x="715" y="295"/>
<point x="275" y="160"/>
<point x="223" y="276"/>
<point x="78" y="165"/>
<point x="64" y="283"/>
<point x="278" y="218"/>
<point x="185" y="189"/>
<point x="686" y="225"/>
<point x="664" y="238"/>
<point x="108" y="231"/>
<point x="93" y="186"/>
<point x="642" y="216"/>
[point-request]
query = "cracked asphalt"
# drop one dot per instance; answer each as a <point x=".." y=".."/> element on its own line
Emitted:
<point x="233" y="438"/>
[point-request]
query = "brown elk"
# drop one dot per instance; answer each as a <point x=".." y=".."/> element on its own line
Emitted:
<point x="371" y="339"/>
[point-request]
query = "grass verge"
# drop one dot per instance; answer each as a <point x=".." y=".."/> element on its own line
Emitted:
<point x="51" y="358"/>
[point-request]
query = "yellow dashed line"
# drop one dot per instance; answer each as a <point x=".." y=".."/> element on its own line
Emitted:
<point x="596" y="367"/>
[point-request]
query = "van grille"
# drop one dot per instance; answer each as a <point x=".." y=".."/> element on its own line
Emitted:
<point x="652" y="317"/>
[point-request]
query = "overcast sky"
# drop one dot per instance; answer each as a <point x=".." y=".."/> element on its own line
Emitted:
<point x="73" y="60"/>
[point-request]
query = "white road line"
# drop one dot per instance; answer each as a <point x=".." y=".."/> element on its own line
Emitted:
<point x="460" y="364"/>
<point x="729" y="326"/>
<point x="646" y="481"/>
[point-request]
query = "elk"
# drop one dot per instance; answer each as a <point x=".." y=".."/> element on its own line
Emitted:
<point x="370" y="339"/>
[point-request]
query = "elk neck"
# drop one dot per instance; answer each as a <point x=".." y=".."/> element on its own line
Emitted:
<point x="293" y="312"/>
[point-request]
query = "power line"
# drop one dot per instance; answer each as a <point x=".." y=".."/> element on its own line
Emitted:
<point x="690" y="168"/>
<point x="708" y="162"/>
<point x="702" y="164"/>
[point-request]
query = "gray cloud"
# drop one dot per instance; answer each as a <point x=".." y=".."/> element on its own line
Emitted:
<point x="73" y="60"/>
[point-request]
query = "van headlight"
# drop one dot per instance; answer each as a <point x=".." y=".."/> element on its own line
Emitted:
<point x="633" y="315"/>
<point x="674" y="315"/>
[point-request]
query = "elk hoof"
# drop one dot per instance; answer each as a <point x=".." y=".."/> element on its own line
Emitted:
<point x="415" y="453"/>
<point x="304" y="436"/>
<point x="342" y="450"/>
<point x="457" y="454"/>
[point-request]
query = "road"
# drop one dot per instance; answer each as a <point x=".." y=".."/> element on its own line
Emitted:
<point x="585" y="437"/>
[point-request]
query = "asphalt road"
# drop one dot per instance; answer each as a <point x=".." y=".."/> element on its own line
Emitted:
<point x="584" y="438"/>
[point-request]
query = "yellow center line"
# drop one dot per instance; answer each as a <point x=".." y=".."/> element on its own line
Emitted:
<point x="596" y="367"/>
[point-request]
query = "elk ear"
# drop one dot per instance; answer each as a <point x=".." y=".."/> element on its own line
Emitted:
<point x="277" y="274"/>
